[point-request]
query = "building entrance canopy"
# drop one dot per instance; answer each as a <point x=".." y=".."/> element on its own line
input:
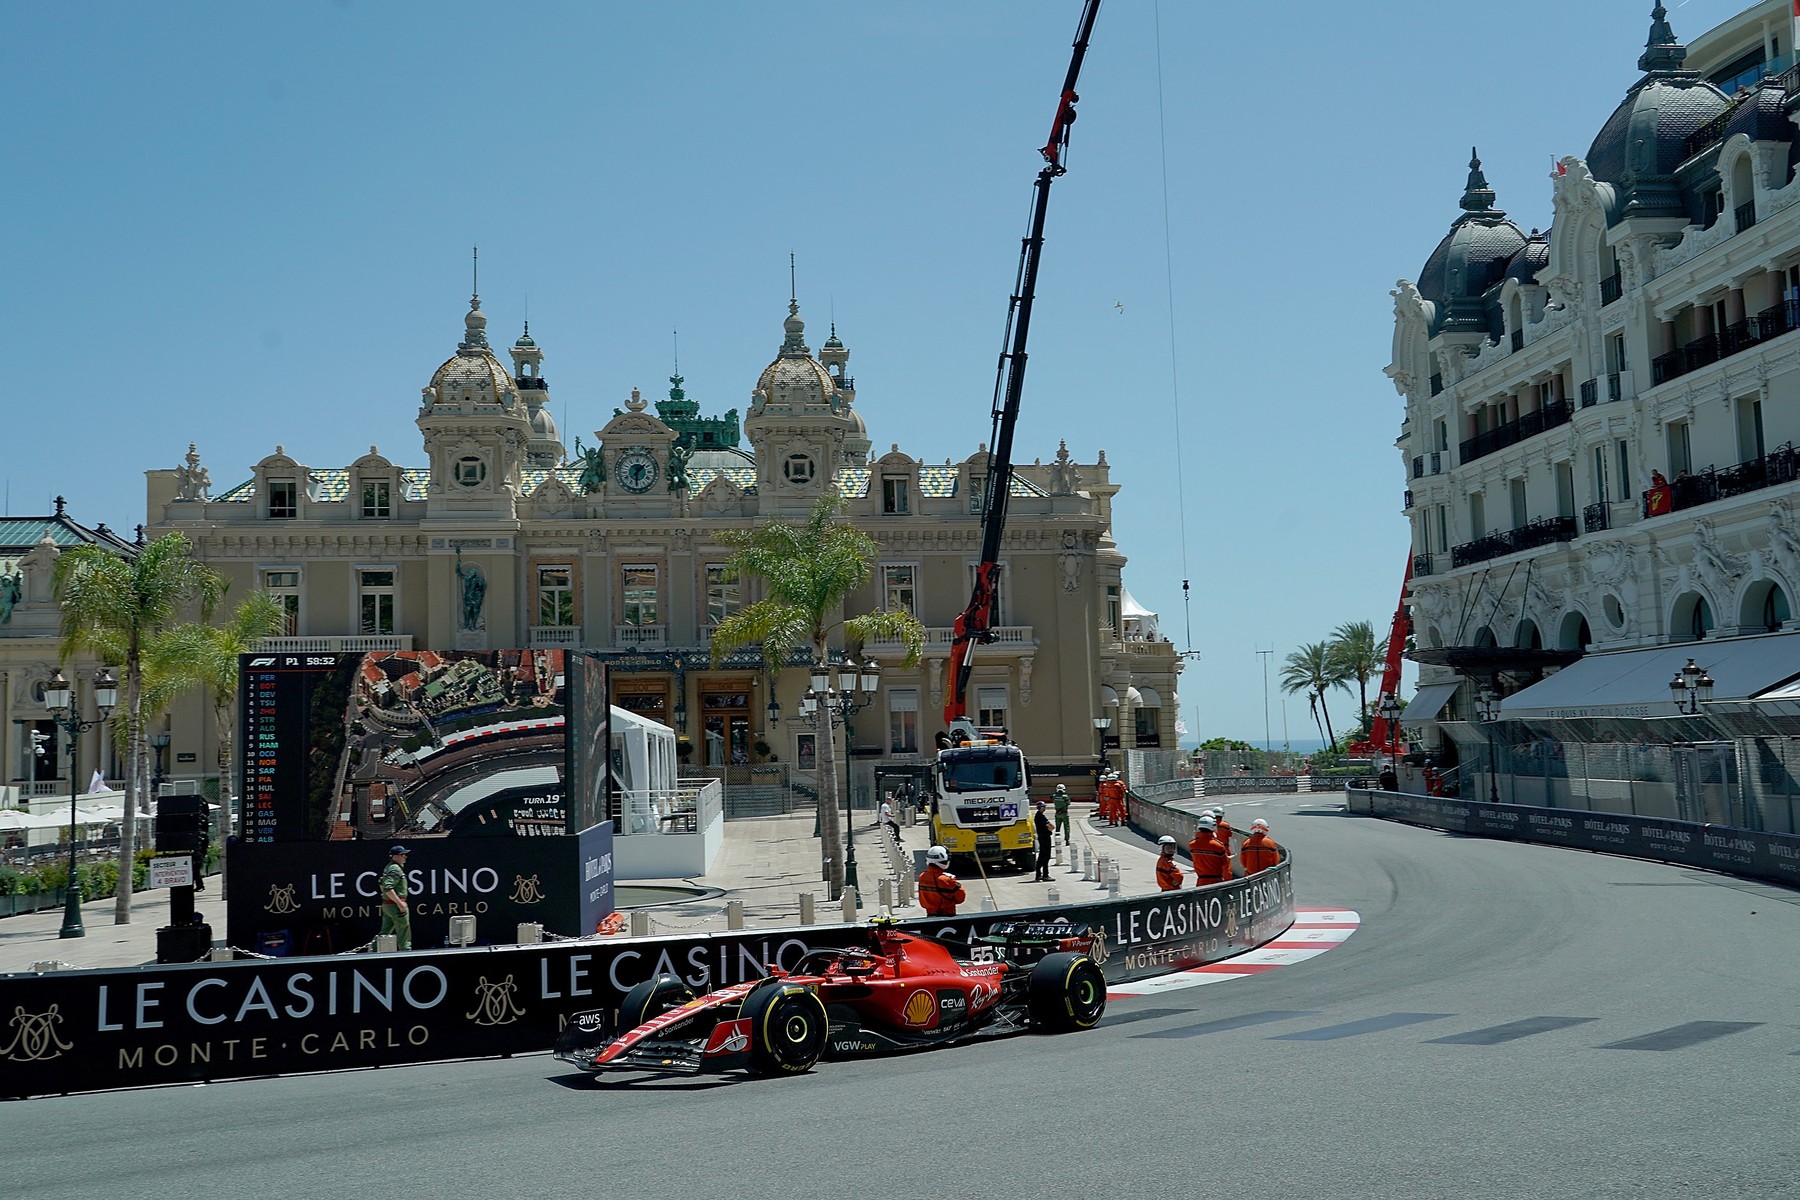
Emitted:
<point x="1635" y="683"/>
<point x="1428" y="702"/>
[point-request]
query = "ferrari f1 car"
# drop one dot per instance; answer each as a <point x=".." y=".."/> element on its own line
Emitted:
<point x="900" y="991"/>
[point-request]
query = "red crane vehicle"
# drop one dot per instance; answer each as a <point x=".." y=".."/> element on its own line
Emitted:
<point x="980" y="777"/>
<point x="1384" y="734"/>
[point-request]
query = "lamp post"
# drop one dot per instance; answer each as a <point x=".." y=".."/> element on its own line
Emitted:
<point x="1101" y="725"/>
<point x="65" y="712"/>
<point x="1390" y="709"/>
<point x="159" y="742"/>
<point x="1691" y="687"/>
<point x="855" y="691"/>
<point x="1487" y="708"/>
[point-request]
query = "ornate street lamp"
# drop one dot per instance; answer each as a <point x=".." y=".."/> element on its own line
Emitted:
<point x="1691" y="687"/>
<point x="1390" y="709"/>
<point x="159" y="742"/>
<point x="1101" y="725"/>
<point x="1487" y="711"/>
<point x="65" y="713"/>
<point x="822" y="704"/>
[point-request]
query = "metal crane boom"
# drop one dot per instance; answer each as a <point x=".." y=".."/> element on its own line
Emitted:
<point x="974" y="625"/>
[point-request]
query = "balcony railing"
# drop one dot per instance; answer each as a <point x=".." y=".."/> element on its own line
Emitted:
<point x="1611" y="288"/>
<point x="1590" y="393"/>
<point x="1418" y="466"/>
<point x="1421" y="565"/>
<point x="1406" y="499"/>
<point x="360" y="644"/>
<point x="544" y="637"/>
<point x="943" y="635"/>
<point x="1745" y="215"/>
<point x="1615" y="385"/>
<point x="1532" y="423"/>
<point x="1780" y="465"/>
<point x="1739" y="336"/>
<point x="1518" y="339"/>
<point x="1437" y="383"/>
<point x="1434" y="463"/>
<point x="1594" y="518"/>
<point x="636" y="636"/>
<point x="1529" y="536"/>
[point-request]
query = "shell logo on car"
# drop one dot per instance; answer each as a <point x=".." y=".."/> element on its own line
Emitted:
<point x="919" y="1008"/>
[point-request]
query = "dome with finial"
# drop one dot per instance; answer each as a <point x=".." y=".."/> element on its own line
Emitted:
<point x="795" y="380"/>
<point x="1472" y="257"/>
<point x="1646" y="135"/>
<point x="473" y="375"/>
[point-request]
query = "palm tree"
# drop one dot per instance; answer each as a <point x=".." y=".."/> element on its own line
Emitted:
<point x="113" y="606"/>
<point x="1309" y="669"/>
<point x="1356" y="655"/>
<point x="807" y="572"/>
<point x="206" y="656"/>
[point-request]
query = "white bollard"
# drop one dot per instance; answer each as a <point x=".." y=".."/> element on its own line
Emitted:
<point x="734" y="914"/>
<point x="1074" y="861"/>
<point x="1087" y="866"/>
<point x="640" y="924"/>
<point x="1052" y="895"/>
<point x="885" y="894"/>
<point x="529" y="933"/>
<point x="987" y="904"/>
<point x="848" y="899"/>
<point x="1056" y="856"/>
<point x="386" y="943"/>
<point x="1112" y="879"/>
<point x="806" y="908"/>
<point x="221" y="954"/>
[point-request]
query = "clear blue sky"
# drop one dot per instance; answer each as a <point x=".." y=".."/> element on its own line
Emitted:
<point x="244" y="224"/>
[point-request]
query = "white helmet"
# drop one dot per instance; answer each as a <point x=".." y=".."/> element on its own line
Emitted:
<point x="1216" y="813"/>
<point x="1261" y="824"/>
<point x="938" y="856"/>
<point x="1207" y="822"/>
<point x="1166" y="840"/>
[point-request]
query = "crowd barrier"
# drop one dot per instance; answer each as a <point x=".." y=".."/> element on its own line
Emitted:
<point x="97" y="1030"/>
<point x="1751" y="853"/>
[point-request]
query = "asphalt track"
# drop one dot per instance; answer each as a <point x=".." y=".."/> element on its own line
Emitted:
<point x="1509" y="1020"/>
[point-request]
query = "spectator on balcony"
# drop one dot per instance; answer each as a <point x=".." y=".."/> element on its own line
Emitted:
<point x="1657" y="480"/>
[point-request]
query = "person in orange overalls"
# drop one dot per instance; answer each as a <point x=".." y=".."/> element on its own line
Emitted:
<point x="1212" y="861"/>
<point x="1259" y="852"/>
<point x="1223" y="830"/>
<point x="939" y="891"/>
<point x="1112" y="800"/>
<point x="1168" y="872"/>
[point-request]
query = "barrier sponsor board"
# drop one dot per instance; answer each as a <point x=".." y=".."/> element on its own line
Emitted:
<point x="98" y="1030"/>
<point x="1752" y="853"/>
<point x="321" y="897"/>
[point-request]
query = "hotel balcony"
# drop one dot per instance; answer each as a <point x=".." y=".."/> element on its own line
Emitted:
<point x="1550" y="416"/>
<point x="1541" y="532"/>
<point x="1780" y="465"/>
<point x="360" y="644"/>
<point x="547" y="637"/>
<point x="939" y="637"/>
<point x="639" y="637"/>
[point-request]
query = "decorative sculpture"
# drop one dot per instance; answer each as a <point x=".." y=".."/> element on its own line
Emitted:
<point x="193" y="481"/>
<point x="593" y="467"/>
<point x="678" y="461"/>
<point x="474" y="592"/>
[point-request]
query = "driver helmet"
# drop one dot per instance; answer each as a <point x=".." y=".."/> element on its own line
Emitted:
<point x="938" y="856"/>
<point x="1206" y="822"/>
<point x="1167" y="843"/>
<point x="1261" y="824"/>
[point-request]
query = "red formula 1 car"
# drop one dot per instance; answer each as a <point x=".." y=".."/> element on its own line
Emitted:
<point x="899" y="992"/>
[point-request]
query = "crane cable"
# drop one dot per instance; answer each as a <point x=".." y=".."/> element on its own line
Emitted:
<point x="1162" y="131"/>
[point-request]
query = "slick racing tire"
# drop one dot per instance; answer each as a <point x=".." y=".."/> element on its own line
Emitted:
<point x="787" y="1029"/>
<point x="650" y="999"/>
<point x="1066" y="992"/>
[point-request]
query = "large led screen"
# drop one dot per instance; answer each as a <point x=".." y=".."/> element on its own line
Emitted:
<point x="406" y="745"/>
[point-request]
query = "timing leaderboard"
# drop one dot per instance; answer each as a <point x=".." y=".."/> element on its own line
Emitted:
<point x="281" y="746"/>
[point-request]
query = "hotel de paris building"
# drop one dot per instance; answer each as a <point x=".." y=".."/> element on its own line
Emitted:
<point x="1599" y="450"/>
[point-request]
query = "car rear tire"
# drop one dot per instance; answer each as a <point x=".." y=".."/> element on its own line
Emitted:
<point x="1066" y="992"/>
<point x="787" y="1029"/>
<point x="651" y="999"/>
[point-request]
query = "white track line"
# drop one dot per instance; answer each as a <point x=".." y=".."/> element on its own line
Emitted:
<point x="1314" y="931"/>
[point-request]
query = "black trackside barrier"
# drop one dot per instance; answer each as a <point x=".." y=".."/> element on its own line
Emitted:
<point x="1751" y="853"/>
<point x="81" y="1031"/>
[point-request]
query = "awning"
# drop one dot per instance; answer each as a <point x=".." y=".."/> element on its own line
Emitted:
<point x="1428" y="702"/>
<point x="1635" y="683"/>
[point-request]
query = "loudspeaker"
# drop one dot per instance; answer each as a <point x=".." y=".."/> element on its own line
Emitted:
<point x="178" y="824"/>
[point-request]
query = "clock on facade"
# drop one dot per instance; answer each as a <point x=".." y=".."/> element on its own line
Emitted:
<point x="636" y="469"/>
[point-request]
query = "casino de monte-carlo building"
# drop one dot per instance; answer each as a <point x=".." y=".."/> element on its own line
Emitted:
<point x="1600" y="460"/>
<point x="616" y="548"/>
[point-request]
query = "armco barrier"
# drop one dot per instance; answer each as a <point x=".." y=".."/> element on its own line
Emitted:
<point x="81" y="1031"/>
<point x="1751" y="853"/>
